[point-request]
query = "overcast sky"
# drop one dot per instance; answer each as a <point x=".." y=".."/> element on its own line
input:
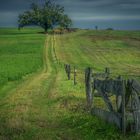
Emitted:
<point x="118" y="14"/>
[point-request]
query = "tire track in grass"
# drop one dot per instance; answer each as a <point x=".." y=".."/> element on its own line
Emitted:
<point x="20" y="107"/>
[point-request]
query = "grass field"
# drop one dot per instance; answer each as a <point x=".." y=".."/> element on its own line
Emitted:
<point x="46" y="106"/>
<point x="20" y="53"/>
<point x="118" y="50"/>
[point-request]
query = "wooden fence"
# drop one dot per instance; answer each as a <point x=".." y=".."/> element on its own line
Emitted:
<point x="124" y="111"/>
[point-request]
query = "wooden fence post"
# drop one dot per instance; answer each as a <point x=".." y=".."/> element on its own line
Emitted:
<point x="123" y="108"/>
<point x="88" y="86"/>
<point x="68" y="70"/>
<point x="75" y="76"/>
<point x="107" y="72"/>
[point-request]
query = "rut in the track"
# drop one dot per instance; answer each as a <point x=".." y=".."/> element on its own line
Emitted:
<point x="28" y="101"/>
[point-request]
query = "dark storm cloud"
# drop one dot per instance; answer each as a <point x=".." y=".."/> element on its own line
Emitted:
<point x="81" y="11"/>
<point x="102" y="8"/>
<point x="15" y="5"/>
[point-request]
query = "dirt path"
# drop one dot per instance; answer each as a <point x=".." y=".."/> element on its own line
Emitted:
<point x="34" y="82"/>
<point x="47" y="106"/>
<point x="26" y="99"/>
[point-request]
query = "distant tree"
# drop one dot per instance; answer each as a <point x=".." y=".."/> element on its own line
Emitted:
<point x="47" y="16"/>
<point x="96" y="27"/>
<point x="110" y="29"/>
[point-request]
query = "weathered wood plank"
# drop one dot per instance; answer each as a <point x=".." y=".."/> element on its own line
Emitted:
<point x="118" y="103"/>
<point x="107" y="101"/>
<point x="108" y="86"/>
<point x="128" y="92"/>
<point x="136" y="86"/>
<point x="110" y="117"/>
<point x="119" y="88"/>
<point x="136" y="110"/>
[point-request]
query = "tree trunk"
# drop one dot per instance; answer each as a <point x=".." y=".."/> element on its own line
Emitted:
<point x="46" y="30"/>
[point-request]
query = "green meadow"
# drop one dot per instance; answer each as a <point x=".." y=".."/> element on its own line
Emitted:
<point x="117" y="50"/>
<point x="20" y="53"/>
<point x="43" y="104"/>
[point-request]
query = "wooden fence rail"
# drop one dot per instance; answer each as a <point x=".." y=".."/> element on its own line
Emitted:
<point x="112" y="117"/>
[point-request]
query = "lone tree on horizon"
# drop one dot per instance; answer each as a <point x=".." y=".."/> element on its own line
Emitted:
<point x="47" y="16"/>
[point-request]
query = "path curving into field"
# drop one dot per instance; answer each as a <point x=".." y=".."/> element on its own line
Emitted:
<point x="47" y="106"/>
<point x="26" y="107"/>
<point x="41" y="108"/>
